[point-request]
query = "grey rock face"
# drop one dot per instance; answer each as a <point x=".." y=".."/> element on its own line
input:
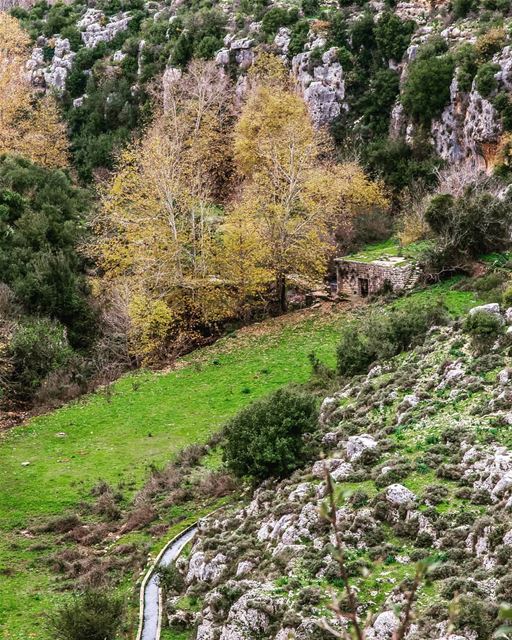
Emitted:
<point x="200" y="569"/>
<point x="53" y="75"/>
<point x="323" y="86"/>
<point x="357" y="445"/>
<point x="282" y="39"/>
<point x="250" y="615"/>
<point x="337" y="467"/>
<point x="397" y="494"/>
<point x="469" y="128"/>
<point x="95" y="28"/>
<point x="493" y="308"/>
<point x="490" y="470"/>
<point x="383" y="627"/>
<point x="240" y="51"/>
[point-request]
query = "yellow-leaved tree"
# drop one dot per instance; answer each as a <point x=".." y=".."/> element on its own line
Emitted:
<point x="293" y="196"/>
<point x="29" y="124"/>
<point x="158" y="216"/>
<point x="240" y="260"/>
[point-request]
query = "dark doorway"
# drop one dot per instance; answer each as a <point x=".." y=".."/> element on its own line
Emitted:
<point x="363" y="287"/>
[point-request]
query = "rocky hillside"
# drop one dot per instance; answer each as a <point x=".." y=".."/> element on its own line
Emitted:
<point x="420" y="452"/>
<point x="422" y="73"/>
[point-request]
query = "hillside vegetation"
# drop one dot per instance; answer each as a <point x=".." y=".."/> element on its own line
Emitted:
<point x="414" y="468"/>
<point x="177" y="179"/>
<point x="225" y="154"/>
<point x="119" y="434"/>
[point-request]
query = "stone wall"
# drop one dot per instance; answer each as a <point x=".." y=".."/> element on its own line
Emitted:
<point x="368" y="278"/>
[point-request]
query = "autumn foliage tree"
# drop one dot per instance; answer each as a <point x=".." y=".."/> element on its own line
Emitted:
<point x="189" y="241"/>
<point x="27" y="121"/>
<point x="159" y="215"/>
<point x="294" y="197"/>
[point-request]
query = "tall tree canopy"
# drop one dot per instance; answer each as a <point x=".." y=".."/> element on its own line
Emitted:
<point x="27" y="122"/>
<point x="295" y="196"/>
<point x="205" y="220"/>
<point x="158" y="217"/>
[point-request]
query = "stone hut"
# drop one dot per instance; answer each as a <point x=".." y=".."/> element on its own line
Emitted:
<point x="363" y="279"/>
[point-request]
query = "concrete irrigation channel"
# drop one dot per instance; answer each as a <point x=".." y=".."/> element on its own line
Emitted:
<point x="150" y="624"/>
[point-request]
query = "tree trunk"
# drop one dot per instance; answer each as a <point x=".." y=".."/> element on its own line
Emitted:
<point x="281" y="293"/>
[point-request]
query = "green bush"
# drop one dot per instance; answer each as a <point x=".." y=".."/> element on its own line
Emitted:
<point x="435" y="46"/>
<point x="202" y="35"/>
<point x="170" y="579"/>
<point x="38" y="347"/>
<point x="59" y="16"/>
<point x="427" y="87"/>
<point x="298" y="37"/>
<point x="485" y="80"/>
<point x="310" y="7"/>
<point x="383" y="334"/>
<point x="503" y="6"/>
<point x="393" y="35"/>
<point x="207" y="47"/>
<point x="379" y="101"/>
<point x="483" y="328"/>
<point x="272" y="436"/>
<point x="461" y="8"/>
<point x="401" y="164"/>
<point x="254" y="8"/>
<point x="362" y="36"/>
<point x="84" y="60"/>
<point x="467" y="66"/>
<point x="471" y="612"/>
<point x="338" y="30"/>
<point x="89" y="616"/>
<point x="503" y="106"/>
<point x="278" y="17"/>
<point x="507" y="297"/>
<point x="466" y="227"/>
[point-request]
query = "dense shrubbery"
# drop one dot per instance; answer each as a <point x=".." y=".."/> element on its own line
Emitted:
<point x="89" y="616"/>
<point x="117" y="97"/>
<point x="47" y="324"/>
<point x="383" y="334"/>
<point x="392" y="36"/>
<point x="401" y="164"/>
<point x="461" y="8"/>
<point x="427" y="87"/>
<point x="473" y="612"/>
<point x="278" y="17"/>
<point x="466" y="227"/>
<point x="485" y="80"/>
<point x="41" y="223"/>
<point x="201" y="36"/>
<point x="299" y="36"/>
<point x="467" y="66"/>
<point x="272" y="436"/>
<point x="483" y="328"/>
<point x="38" y="347"/>
<point x="366" y="47"/>
<point x="170" y="579"/>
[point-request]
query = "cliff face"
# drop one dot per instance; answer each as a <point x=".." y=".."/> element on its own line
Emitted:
<point x="468" y="130"/>
<point x="420" y="453"/>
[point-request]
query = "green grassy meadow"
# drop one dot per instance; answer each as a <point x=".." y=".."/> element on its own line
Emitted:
<point x="146" y="419"/>
<point x="143" y="420"/>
